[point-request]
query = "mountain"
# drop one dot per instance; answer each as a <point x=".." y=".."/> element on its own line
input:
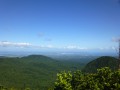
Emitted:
<point x="104" y="61"/>
<point x="37" y="72"/>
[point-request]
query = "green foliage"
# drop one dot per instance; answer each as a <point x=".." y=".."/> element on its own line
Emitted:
<point x="104" y="79"/>
<point x="35" y="71"/>
<point x="63" y="81"/>
<point x="104" y="61"/>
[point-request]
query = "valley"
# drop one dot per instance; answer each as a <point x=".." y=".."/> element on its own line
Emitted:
<point x="33" y="71"/>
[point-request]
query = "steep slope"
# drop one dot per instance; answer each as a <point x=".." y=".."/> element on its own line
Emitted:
<point x="104" y="61"/>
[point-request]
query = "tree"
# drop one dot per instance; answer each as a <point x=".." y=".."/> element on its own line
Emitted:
<point x="104" y="79"/>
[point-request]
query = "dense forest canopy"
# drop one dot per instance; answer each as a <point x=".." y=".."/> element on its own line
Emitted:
<point x="34" y="71"/>
<point x="104" y="61"/>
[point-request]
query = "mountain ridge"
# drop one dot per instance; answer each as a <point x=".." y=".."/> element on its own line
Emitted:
<point x="104" y="61"/>
<point x="34" y="71"/>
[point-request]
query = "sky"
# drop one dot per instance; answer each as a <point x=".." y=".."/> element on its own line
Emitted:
<point x="59" y="25"/>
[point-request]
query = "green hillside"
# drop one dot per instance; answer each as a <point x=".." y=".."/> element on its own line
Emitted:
<point x="34" y="71"/>
<point x="104" y="61"/>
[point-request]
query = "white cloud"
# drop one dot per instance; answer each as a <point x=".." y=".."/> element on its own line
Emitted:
<point x="107" y="48"/>
<point x="50" y="46"/>
<point x="42" y="46"/>
<point x="23" y="45"/>
<point x="12" y="44"/>
<point x="114" y="48"/>
<point x="69" y="47"/>
<point x="74" y="47"/>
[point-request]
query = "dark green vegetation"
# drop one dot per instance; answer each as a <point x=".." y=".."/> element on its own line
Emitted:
<point x="35" y="71"/>
<point x="100" y="62"/>
<point x="39" y="73"/>
<point x="104" y="79"/>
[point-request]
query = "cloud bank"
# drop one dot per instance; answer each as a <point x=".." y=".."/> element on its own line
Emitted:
<point x="5" y="44"/>
<point x="23" y="45"/>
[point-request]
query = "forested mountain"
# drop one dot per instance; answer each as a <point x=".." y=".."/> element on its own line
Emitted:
<point x="99" y="74"/>
<point x="104" y="61"/>
<point x="38" y="72"/>
<point x="34" y="71"/>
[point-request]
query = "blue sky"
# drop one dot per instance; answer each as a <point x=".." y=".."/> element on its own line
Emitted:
<point x="59" y="25"/>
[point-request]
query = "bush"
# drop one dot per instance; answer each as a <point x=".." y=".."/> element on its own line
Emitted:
<point x="104" y="79"/>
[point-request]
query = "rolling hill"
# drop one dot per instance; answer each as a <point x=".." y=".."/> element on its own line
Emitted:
<point x="104" y="61"/>
<point x="34" y="71"/>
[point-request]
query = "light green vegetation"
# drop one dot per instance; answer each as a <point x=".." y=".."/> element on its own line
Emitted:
<point x="104" y="79"/>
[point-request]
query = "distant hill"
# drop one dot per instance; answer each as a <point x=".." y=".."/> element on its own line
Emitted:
<point x="37" y="57"/>
<point x="34" y="71"/>
<point x="104" y="61"/>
